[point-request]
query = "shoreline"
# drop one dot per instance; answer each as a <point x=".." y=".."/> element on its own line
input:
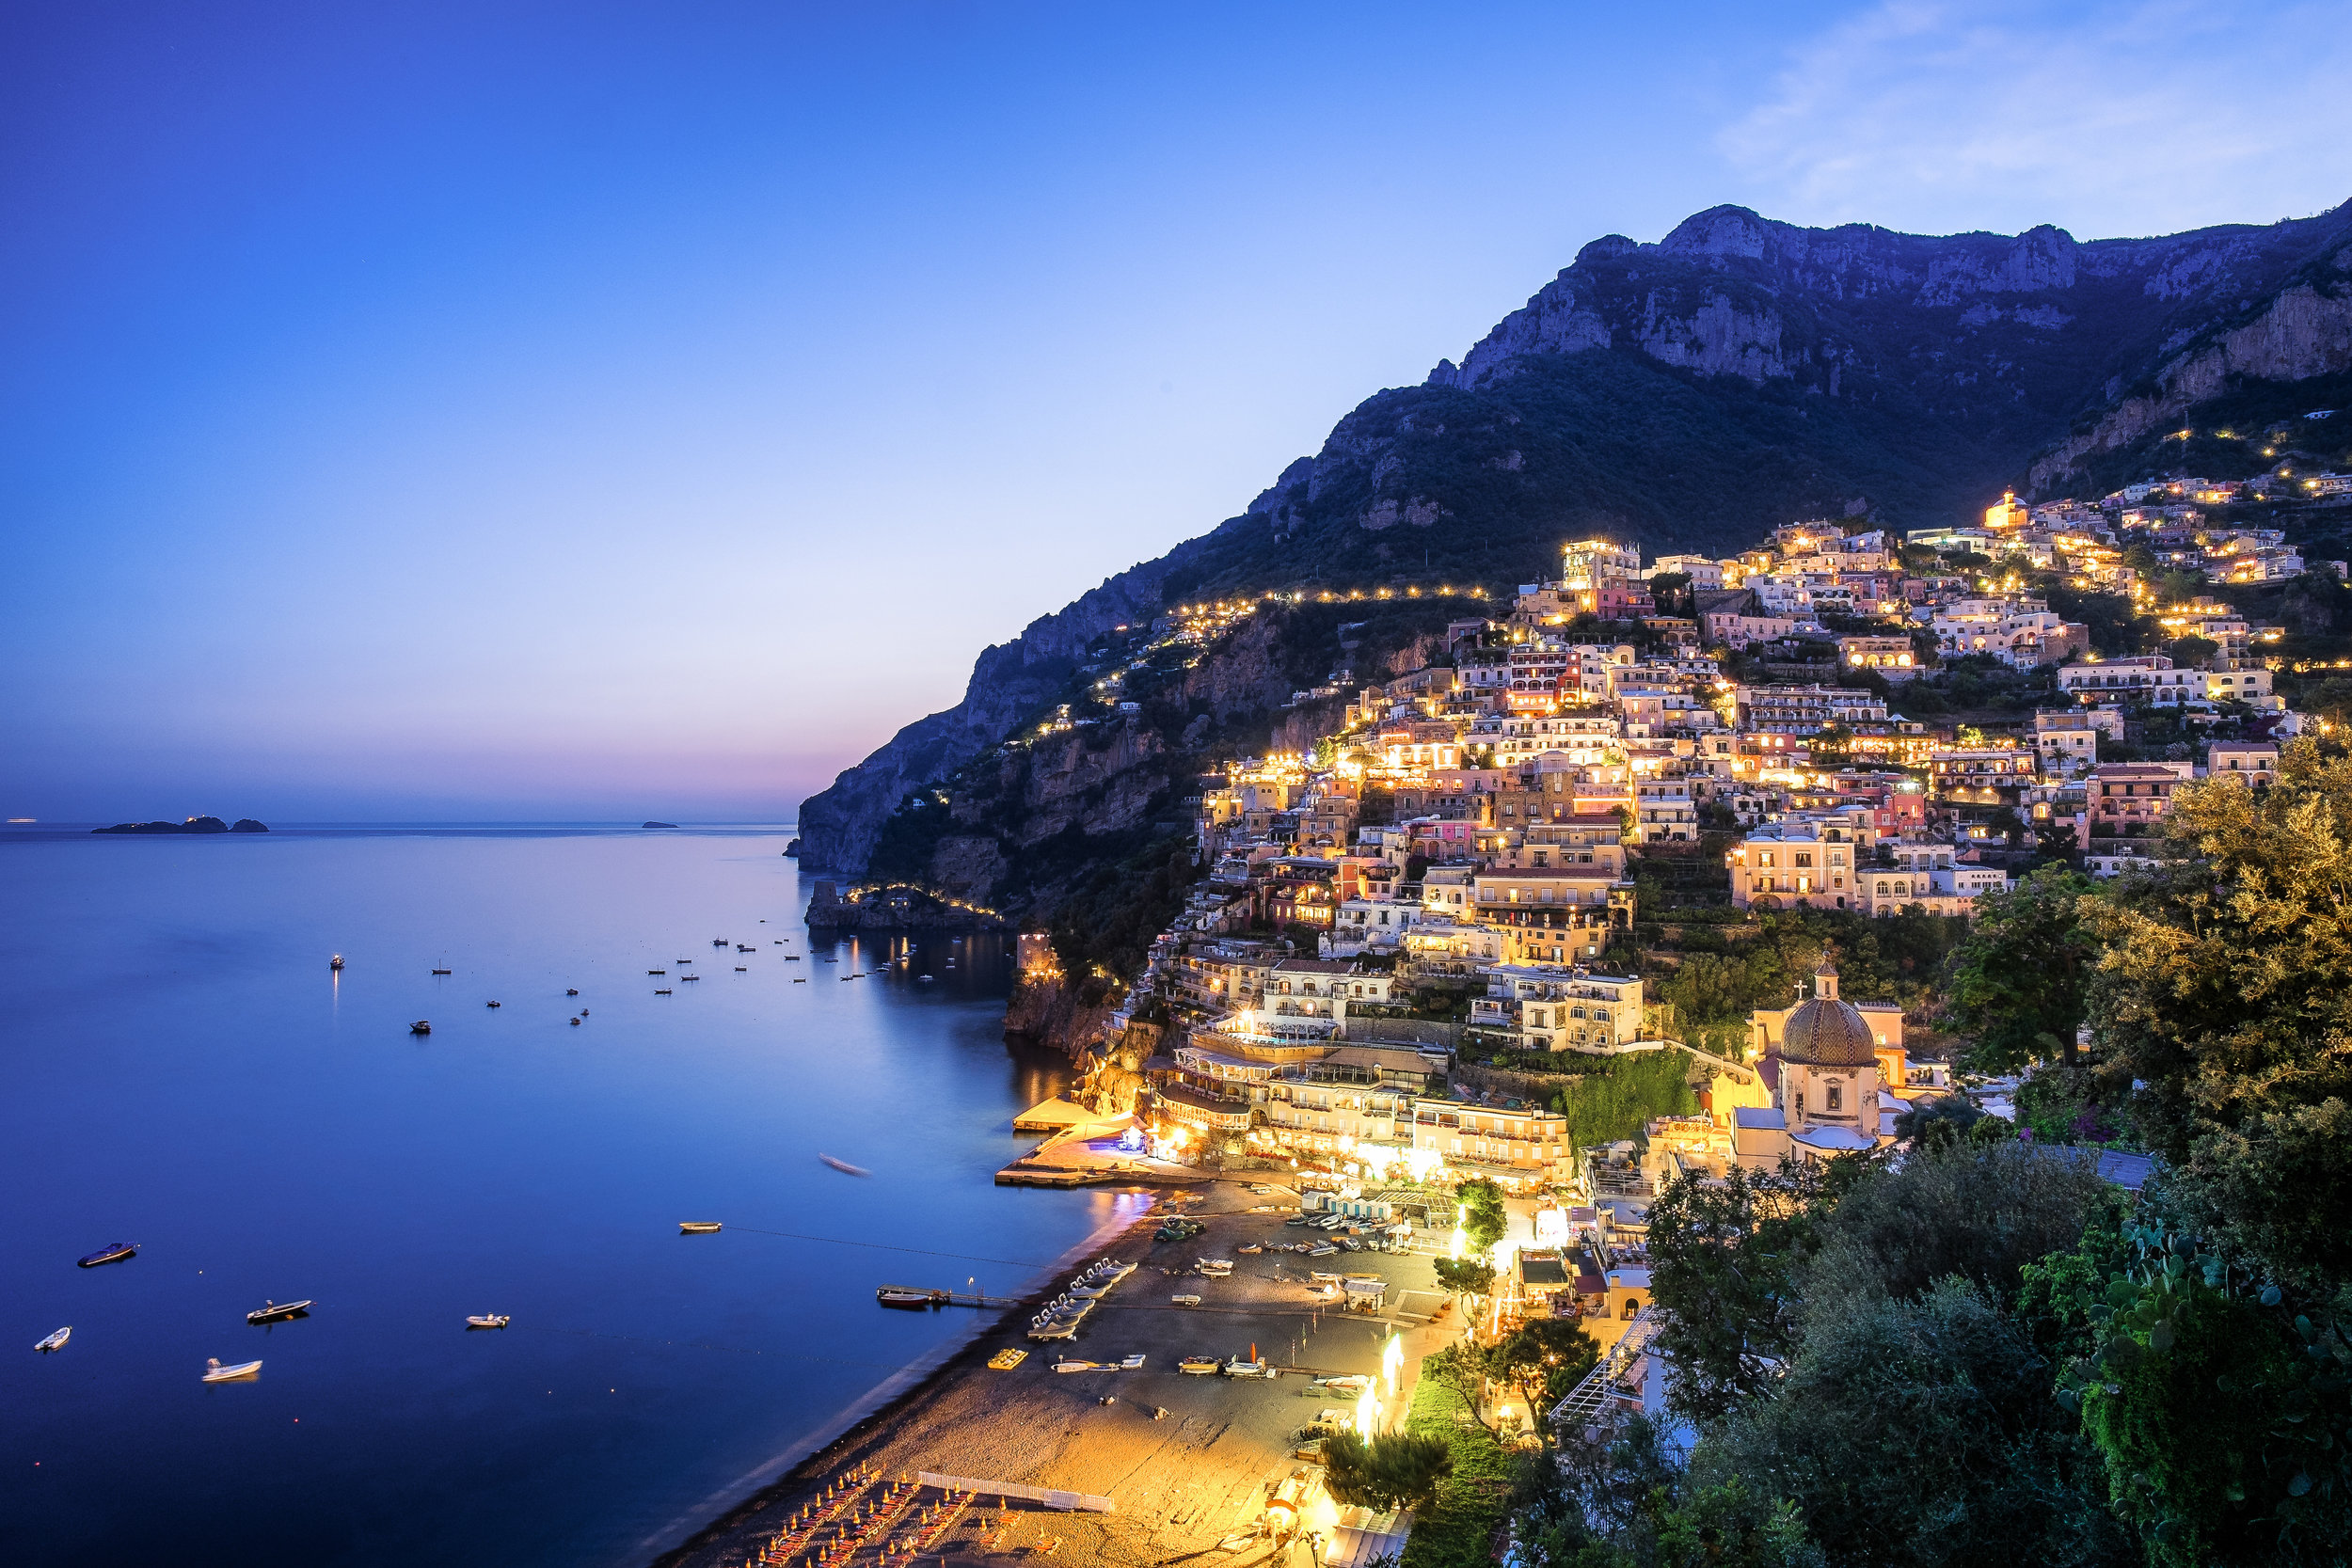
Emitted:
<point x="834" y="1443"/>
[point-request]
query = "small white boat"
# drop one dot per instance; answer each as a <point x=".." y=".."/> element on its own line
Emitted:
<point x="1185" y="1301"/>
<point x="1130" y="1363"/>
<point x="278" y="1311"/>
<point x="698" y="1227"/>
<point x="1238" y="1367"/>
<point x="215" y="1372"/>
<point x="844" y="1166"/>
<point x="335" y="962"/>
<point x="1080" y="1366"/>
<point x="487" y="1319"/>
<point x="56" y="1340"/>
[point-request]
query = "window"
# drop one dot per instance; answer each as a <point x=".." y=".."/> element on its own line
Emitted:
<point x="1834" y="1097"/>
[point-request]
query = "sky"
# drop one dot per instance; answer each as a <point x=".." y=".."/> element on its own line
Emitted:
<point x="551" y="412"/>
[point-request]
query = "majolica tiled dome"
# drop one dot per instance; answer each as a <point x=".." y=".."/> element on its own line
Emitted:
<point x="1826" y="1032"/>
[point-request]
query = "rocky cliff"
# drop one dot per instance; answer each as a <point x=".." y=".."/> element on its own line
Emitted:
<point x="1686" y="395"/>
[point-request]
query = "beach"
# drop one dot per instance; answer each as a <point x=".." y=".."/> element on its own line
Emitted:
<point x="1184" y="1461"/>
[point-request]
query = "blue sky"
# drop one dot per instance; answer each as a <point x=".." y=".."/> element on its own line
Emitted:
<point x="520" y="411"/>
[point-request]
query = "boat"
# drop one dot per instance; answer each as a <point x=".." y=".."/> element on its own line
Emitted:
<point x="657" y="971"/>
<point x="924" y="979"/>
<point x="113" y="1253"/>
<point x="574" y="991"/>
<point x="1081" y="1367"/>
<point x="664" y="990"/>
<point x="1006" y="1360"/>
<point x="574" y="1022"/>
<point x="908" y="1297"/>
<point x="1131" y="1363"/>
<point x="1251" y="1247"/>
<point x="215" y="1372"/>
<point x="844" y="1166"/>
<point x="740" y="948"/>
<point x="278" y="1311"/>
<point x="698" y="1227"/>
<point x="1355" y="1383"/>
<point x="493" y="1003"/>
<point x="1201" y="1366"/>
<point x="741" y="969"/>
<point x="440" y="972"/>
<point x="489" y="1320"/>
<point x="335" y="962"/>
<point x="56" y="1340"/>
<point x="791" y="958"/>
<point x="1186" y="1300"/>
<point x="689" y="976"/>
<point x="1238" y="1367"/>
<point x="717" y="942"/>
<point x="801" y="982"/>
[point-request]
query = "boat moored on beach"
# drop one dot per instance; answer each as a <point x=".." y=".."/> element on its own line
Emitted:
<point x="1201" y="1366"/>
<point x="113" y="1253"/>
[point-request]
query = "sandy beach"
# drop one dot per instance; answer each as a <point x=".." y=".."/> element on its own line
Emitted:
<point x="1179" y="1481"/>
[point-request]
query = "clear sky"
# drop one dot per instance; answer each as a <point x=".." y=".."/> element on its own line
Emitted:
<point x="465" y="411"/>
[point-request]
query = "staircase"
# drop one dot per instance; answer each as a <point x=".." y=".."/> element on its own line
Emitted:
<point x="1585" y="1401"/>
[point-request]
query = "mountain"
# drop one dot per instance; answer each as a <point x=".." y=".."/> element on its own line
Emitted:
<point x="1688" y="395"/>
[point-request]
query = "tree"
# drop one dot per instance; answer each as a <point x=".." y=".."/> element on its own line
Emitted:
<point x="1466" y="1276"/>
<point x="2018" y="981"/>
<point x="1938" y="1119"/>
<point x="1484" y="1221"/>
<point x="1393" y="1470"/>
<point x="1462" y="1368"/>
<point x="1723" y="1257"/>
<point x="2225" y="993"/>
<point x="1542" y="1360"/>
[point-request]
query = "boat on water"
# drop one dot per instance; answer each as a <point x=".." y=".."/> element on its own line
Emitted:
<point x="278" y="1311"/>
<point x="657" y="971"/>
<point x="741" y="969"/>
<point x="335" y="962"/>
<point x="844" y="1166"/>
<point x="489" y="1320"/>
<point x="215" y="1372"/>
<point x="664" y="990"/>
<point x="1006" y="1360"/>
<point x="574" y="1022"/>
<point x="689" y="976"/>
<point x="113" y="1253"/>
<point x="908" y="1297"/>
<point x="56" y="1340"/>
<point x="698" y="1227"/>
<point x="573" y="992"/>
<point x="493" y="1003"/>
<point x="717" y="942"/>
<point x="923" y="980"/>
<point x="440" y="972"/>
<point x="420" y="1027"/>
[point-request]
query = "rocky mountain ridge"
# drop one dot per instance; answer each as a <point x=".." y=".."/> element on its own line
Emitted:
<point x="1691" y="393"/>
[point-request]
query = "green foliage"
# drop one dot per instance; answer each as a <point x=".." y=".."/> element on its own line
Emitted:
<point x="1111" y="919"/>
<point x="2226" y="993"/>
<point x="1619" y="1094"/>
<point x="1921" y="1431"/>
<point x="2018" y="980"/>
<point x="1452" y="1531"/>
<point x="1542" y="1359"/>
<point x="1464" y="1276"/>
<point x="1484" y="1220"/>
<point x="1622" y="1499"/>
<point x="2226" y="1431"/>
<point x="1724" y="1260"/>
<point x="1395" y="1469"/>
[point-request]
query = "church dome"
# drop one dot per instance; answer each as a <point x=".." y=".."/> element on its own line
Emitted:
<point x="1826" y="1032"/>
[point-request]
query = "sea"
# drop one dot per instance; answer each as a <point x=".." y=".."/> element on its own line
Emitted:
<point x="180" y="1067"/>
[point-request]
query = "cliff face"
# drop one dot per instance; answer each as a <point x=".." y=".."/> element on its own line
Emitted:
<point x="1684" y="396"/>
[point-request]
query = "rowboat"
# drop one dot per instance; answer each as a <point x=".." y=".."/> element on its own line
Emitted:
<point x="276" y="1311"/>
<point x="1080" y="1366"/>
<point x="1006" y="1360"/>
<point x="215" y="1372"/>
<point x="698" y="1227"/>
<point x="489" y="1320"/>
<point x="56" y="1340"/>
<point x="1201" y="1366"/>
<point x="114" y="1253"/>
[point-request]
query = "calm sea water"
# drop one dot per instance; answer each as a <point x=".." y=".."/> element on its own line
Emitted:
<point x="182" y="1069"/>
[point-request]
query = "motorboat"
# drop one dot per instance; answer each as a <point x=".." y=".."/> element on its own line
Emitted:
<point x="926" y="979"/>
<point x="113" y="1253"/>
<point x="1006" y="1360"/>
<point x="717" y="942"/>
<point x="278" y="1311"/>
<point x="1201" y="1366"/>
<point x="657" y="971"/>
<point x="489" y="1320"/>
<point x="689" y="976"/>
<point x="493" y="1003"/>
<point x="1238" y="1367"/>
<point x="1214" y="1268"/>
<point x="573" y="992"/>
<point x="335" y="962"/>
<point x="741" y="969"/>
<point x="1186" y="1300"/>
<point x="844" y="1166"/>
<point x="56" y="1340"/>
<point x="698" y="1227"/>
<point x="422" y="1026"/>
<point x="1131" y="1363"/>
<point x="241" y="1371"/>
<point x="1074" y="1366"/>
<point x="664" y="990"/>
<point x="440" y="972"/>
<point x="908" y="1297"/>
<point x="1252" y="1249"/>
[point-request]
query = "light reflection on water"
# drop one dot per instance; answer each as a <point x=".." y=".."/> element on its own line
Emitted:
<point x="186" y="1072"/>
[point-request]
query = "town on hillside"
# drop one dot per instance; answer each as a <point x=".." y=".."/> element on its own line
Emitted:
<point x="1423" y="942"/>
